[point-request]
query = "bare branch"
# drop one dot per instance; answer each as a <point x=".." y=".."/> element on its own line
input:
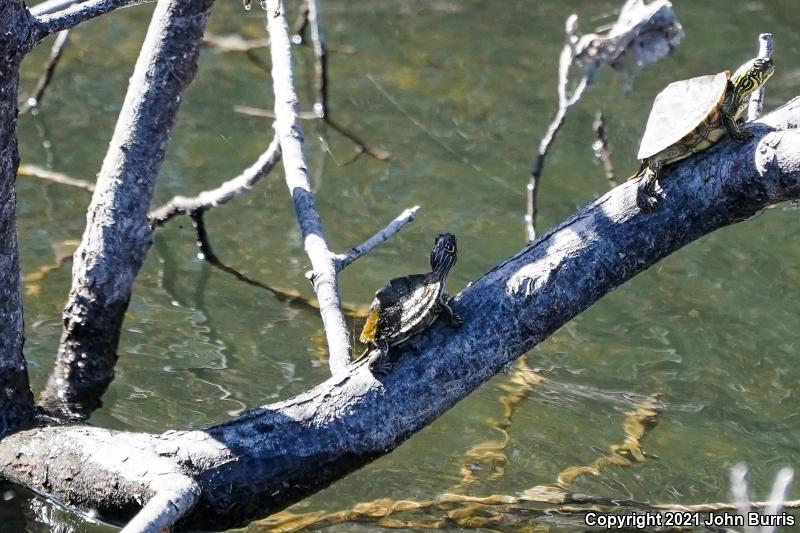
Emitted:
<point x="56" y="177"/>
<point x="182" y="205"/>
<point x="646" y="32"/>
<point x="320" y="57"/>
<point x="113" y="247"/>
<point x="405" y="218"/>
<point x="233" y="43"/>
<point x="290" y="133"/>
<point x="56" y="52"/>
<point x="268" y="113"/>
<point x="166" y="507"/>
<point x="51" y="6"/>
<point x="765" y="47"/>
<point x="53" y="22"/>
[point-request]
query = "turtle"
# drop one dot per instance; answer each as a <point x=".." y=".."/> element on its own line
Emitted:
<point x="408" y="305"/>
<point x="689" y="116"/>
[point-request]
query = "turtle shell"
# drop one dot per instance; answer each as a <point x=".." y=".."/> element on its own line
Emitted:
<point x="404" y="307"/>
<point x="679" y="109"/>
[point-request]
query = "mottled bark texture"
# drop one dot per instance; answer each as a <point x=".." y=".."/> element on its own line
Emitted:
<point x="16" y="400"/>
<point x="118" y="232"/>
<point x="273" y="456"/>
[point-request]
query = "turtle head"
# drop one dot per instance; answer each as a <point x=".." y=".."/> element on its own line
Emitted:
<point x="752" y="75"/>
<point x="443" y="254"/>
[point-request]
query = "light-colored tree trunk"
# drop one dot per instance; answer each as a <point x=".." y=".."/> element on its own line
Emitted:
<point x="118" y="233"/>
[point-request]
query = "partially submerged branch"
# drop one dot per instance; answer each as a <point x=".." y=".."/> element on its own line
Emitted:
<point x="113" y="248"/>
<point x="56" y="52"/>
<point x="271" y="457"/>
<point x="36" y="171"/>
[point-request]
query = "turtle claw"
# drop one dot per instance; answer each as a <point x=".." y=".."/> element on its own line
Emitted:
<point x="456" y="321"/>
<point x="379" y="364"/>
<point x="742" y="136"/>
<point x="646" y="198"/>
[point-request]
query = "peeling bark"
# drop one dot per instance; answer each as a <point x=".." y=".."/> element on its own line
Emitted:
<point x="273" y="456"/>
<point x="118" y="233"/>
<point x="16" y="399"/>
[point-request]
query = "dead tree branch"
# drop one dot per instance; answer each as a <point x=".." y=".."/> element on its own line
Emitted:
<point x="645" y="32"/>
<point x="54" y="22"/>
<point x="765" y="47"/>
<point x="273" y="456"/>
<point x="290" y="133"/>
<point x="35" y="98"/>
<point x="401" y="221"/>
<point x="183" y="205"/>
<point x="113" y="248"/>
<point x="35" y="171"/>
<point x="16" y="399"/>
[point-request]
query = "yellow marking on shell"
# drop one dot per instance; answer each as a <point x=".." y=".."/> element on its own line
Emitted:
<point x="371" y="326"/>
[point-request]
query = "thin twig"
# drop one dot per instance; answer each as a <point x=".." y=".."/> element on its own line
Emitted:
<point x="647" y="32"/>
<point x="56" y="177"/>
<point x="321" y="86"/>
<point x="601" y="150"/>
<point x="565" y="102"/>
<point x="765" y="47"/>
<point x="320" y="57"/>
<point x="222" y="194"/>
<point x="56" y="52"/>
<point x="405" y="218"/>
<point x="300" y="25"/>
<point x="50" y="23"/>
<point x="233" y="43"/>
<point x="290" y="133"/>
<point x="268" y="113"/>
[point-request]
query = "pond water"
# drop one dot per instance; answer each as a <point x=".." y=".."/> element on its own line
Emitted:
<point x="460" y="93"/>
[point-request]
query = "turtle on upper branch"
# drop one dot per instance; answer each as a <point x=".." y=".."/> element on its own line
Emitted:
<point x="689" y="116"/>
<point x="409" y="305"/>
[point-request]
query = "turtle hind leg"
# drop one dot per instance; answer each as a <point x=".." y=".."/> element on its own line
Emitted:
<point x="646" y="196"/>
<point x="379" y="363"/>
<point x="451" y="316"/>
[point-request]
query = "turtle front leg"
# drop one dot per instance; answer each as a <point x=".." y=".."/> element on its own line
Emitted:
<point x="378" y="362"/>
<point x="732" y="126"/>
<point x="451" y="316"/>
<point x="646" y="197"/>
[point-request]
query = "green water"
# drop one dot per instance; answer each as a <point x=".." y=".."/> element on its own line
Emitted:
<point x="460" y="93"/>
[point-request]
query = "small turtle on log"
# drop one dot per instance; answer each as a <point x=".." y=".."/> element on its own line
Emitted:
<point x="689" y="116"/>
<point x="409" y="305"/>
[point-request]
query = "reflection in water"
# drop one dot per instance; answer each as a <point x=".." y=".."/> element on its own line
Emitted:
<point x="511" y="512"/>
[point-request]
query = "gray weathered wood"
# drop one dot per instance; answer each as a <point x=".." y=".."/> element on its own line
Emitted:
<point x="16" y="400"/>
<point x="50" y="20"/>
<point x="118" y="233"/>
<point x="290" y="133"/>
<point x="273" y="456"/>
